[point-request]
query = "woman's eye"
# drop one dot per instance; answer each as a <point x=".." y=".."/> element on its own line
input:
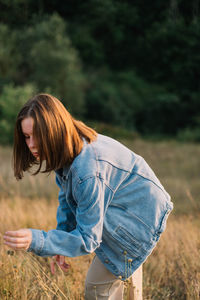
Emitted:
<point x="27" y="137"/>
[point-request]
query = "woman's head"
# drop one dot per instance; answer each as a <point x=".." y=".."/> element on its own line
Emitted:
<point x="45" y="130"/>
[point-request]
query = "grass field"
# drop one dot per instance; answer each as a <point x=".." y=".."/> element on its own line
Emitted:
<point x="171" y="272"/>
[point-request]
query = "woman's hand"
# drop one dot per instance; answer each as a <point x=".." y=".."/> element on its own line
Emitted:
<point x="19" y="239"/>
<point x="60" y="261"/>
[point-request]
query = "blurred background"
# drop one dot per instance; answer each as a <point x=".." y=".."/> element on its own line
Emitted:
<point x="131" y="70"/>
<point x="132" y="65"/>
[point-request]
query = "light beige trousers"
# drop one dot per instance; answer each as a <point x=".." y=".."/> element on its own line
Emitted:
<point x="101" y="284"/>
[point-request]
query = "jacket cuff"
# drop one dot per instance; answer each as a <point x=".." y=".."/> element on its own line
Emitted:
<point x="37" y="243"/>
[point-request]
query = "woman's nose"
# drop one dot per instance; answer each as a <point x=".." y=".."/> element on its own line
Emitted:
<point x="31" y="143"/>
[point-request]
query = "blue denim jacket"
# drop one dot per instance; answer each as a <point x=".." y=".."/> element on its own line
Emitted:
<point x="110" y="203"/>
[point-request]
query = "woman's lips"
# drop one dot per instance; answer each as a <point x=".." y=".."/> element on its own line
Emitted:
<point x="35" y="154"/>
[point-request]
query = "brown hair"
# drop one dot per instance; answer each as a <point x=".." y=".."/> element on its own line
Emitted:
<point x="59" y="136"/>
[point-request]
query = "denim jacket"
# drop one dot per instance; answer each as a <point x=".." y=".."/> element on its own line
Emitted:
<point x="110" y="203"/>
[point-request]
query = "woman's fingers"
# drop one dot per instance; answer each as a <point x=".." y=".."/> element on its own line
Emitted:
<point x="15" y="240"/>
<point x="60" y="260"/>
<point x="20" y="239"/>
<point x="17" y="246"/>
<point x="17" y="233"/>
<point x="65" y="267"/>
<point x="62" y="264"/>
<point x="17" y="243"/>
<point x="52" y="265"/>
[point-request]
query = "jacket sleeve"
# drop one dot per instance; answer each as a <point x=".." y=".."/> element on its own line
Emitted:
<point x="87" y="236"/>
<point x="65" y="218"/>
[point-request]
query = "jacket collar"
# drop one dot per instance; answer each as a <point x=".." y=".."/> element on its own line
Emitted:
<point x="63" y="172"/>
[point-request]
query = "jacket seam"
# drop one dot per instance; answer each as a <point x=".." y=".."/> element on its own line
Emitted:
<point x="148" y="179"/>
<point x="113" y="165"/>
<point x="96" y="158"/>
<point x="98" y="175"/>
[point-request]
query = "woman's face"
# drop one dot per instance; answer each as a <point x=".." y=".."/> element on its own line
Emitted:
<point x="27" y="129"/>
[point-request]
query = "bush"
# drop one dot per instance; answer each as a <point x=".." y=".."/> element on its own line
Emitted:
<point x="127" y="100"/>
<point x="9" y="56"/>
<point x="116" y="132"/>
<point x="51" y="62"/>
<point x="11" y="100"/>
<point x="189" y="135"/>
<point x="113" y="98"/>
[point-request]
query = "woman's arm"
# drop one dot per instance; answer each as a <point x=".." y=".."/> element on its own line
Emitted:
<point x="89" y="195"/>
<point x="65" y="218"/>
<point x="22" y="238"/>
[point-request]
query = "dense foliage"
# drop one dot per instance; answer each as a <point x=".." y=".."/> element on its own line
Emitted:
<point x="134" y="64"/>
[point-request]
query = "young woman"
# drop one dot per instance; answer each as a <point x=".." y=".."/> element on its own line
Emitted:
<point x="110" y="201"/>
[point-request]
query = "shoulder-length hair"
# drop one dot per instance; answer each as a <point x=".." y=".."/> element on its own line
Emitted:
<point x="59" y="137"/>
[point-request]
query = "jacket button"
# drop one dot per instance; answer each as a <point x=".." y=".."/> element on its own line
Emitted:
<point x="106" y="261"/>
<point x="120" y="277"/>
<point x="125" y="252"/>
<point x="130" y="260"/>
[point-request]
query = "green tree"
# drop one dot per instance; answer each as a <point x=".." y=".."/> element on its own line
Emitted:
<point x="12" y="99"/>
<point x="51" y="62"/>
<point x="132" y="63"/>
<point x="9" y="57"/>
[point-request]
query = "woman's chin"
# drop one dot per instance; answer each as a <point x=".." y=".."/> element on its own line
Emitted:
<point x="36" y="157"/>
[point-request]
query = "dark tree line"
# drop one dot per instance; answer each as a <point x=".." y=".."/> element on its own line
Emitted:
<point x="130" y="63"/>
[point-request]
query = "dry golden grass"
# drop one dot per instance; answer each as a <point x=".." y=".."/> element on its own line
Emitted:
<point x="173" y="269"/>
<point x="171" y="272"/>
<point x="24" y="275"/>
